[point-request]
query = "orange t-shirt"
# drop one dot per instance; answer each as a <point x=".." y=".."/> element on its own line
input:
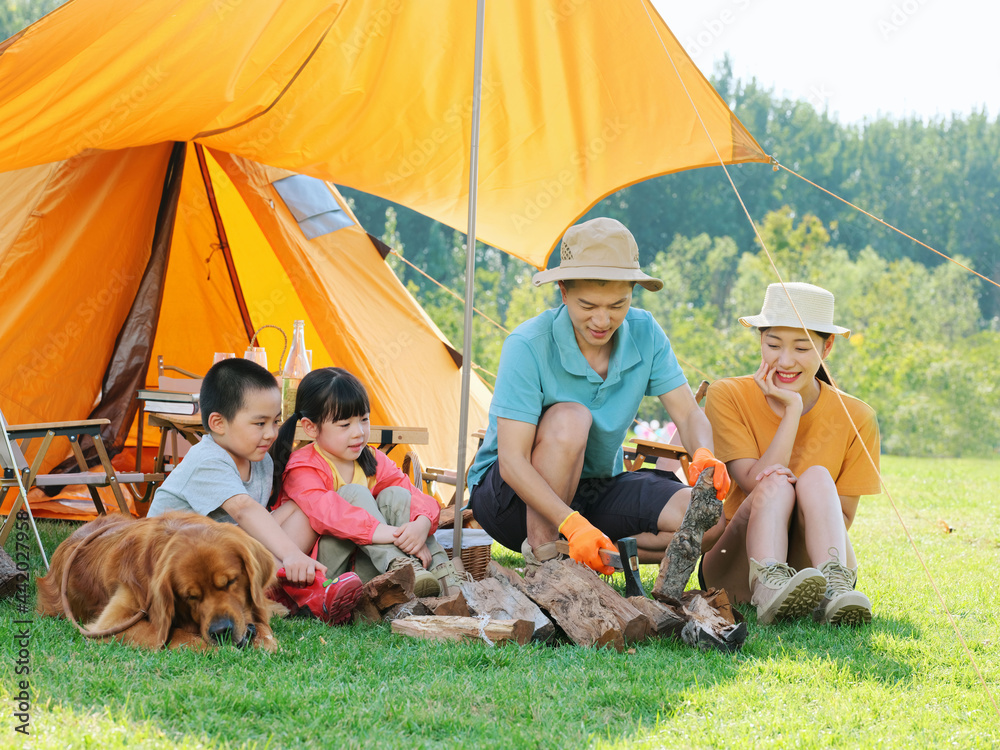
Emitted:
<point x="743" y="426"/>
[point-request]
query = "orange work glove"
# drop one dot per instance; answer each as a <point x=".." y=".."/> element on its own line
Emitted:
<point x="584" y="542"/>
<point x="703" y="458"/>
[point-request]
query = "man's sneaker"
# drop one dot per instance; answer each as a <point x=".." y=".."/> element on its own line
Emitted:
<point x="779" y="592"/>
<point x="841" y="604"/>
<point x="424" y="582"/>
<point x="449" y="578"/>
<point x="535" y="556"/>
<point x="332" y="600"/>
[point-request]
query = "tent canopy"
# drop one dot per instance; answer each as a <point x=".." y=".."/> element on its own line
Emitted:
<point x="579" y="98"/>
<point x="77" y="274"/>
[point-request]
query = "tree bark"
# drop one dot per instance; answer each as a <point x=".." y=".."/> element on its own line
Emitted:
<point x="454" y="605"/>
<point x="412" y="608"/>
<point x="588" y="610"/>
<point x="499" y="598"/>
<point x="685" y="548"/>
<point x="703" y="619"/>
<point x="388" y="589"/>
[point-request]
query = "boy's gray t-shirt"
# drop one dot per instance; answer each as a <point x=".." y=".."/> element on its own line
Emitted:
<point x="206" y="478"/>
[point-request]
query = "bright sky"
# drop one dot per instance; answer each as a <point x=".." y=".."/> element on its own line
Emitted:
<point x="858" y="58"/>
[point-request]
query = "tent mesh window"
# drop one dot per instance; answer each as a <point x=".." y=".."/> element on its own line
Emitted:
<point x="312" y="205"/>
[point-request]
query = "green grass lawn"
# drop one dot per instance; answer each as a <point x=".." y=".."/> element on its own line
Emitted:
<point x="905" y="681"/>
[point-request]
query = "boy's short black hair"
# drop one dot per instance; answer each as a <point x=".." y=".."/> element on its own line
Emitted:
<point x="225" y="387"/>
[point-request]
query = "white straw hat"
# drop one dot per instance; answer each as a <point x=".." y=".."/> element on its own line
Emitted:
<point x="601" y="249"/>
<point x="813" y="303"/>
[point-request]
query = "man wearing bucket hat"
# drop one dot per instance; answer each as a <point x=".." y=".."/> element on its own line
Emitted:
<point x="799" y="469"/>
<point x="568" y="387"/>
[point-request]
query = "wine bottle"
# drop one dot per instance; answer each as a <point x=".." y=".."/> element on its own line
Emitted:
<point x="296" y="368"/>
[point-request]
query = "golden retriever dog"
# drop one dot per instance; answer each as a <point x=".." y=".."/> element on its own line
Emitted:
<point x="200" y="582"/>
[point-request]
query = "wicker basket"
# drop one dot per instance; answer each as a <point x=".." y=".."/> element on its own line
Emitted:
<point x="475" y="558"/>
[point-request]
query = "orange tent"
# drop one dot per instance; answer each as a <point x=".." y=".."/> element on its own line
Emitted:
<point x="111" y="258"/>
<point x="578" y="100"/>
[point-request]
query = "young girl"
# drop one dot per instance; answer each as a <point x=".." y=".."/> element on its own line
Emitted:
<point x="340" y="496"/>
<point x="798" y="469"/>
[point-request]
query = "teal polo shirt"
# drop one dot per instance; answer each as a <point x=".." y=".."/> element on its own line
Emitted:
<point x="541" y="364"/>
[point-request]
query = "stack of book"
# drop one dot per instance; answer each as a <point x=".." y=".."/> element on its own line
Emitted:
<point x="169" y="402"/>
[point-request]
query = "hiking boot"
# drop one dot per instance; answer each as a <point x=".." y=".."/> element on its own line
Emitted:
<point x="779" y="592"/>
<point x="535" y="556"/>
<point x="331" y="600"/>
<point x="424" y="582"/>
<point x="841" y="604"/>
<point x="449" y="578"/>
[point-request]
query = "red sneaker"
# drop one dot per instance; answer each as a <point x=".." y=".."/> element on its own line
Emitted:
<point x="331" y="600"/>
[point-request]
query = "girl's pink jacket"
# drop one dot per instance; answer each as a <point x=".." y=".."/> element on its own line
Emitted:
<point x="308" y="480"/>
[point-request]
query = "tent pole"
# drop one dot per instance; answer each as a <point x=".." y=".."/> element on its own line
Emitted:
<point x="470" y="287"/>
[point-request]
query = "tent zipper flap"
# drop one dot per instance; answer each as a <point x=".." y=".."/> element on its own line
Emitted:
<point x="130" y="358"/>
<point x="220" y="230"/>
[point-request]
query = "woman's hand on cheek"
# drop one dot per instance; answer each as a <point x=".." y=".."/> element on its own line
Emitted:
<point x="765" y="380"/>
<point x="760" y="377"/>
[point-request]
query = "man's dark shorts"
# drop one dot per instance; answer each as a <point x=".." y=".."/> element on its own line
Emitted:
<point x="620" y="506"/>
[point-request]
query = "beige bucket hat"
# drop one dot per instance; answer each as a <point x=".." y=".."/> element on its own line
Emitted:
<point x="599" y="249"/>
<point x="813" y="303"/>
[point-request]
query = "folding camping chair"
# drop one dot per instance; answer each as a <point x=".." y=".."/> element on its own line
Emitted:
<point x="643" y="451"/>
<point x="11" y="479"/>
<point x="426" y="477"/>
<point x="19" y="438"/>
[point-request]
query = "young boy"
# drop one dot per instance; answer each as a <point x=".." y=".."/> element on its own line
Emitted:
<point x="227" y="476"/>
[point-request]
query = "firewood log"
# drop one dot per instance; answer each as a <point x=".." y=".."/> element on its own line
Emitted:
<point x="588" y="610"/>
<point x="465" y="628"/>
<point x="685" y="548"/>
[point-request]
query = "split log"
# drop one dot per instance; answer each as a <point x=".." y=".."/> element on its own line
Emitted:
<point x="366" y="611"/>
<point x="588" y="610"/>
<point x="10" y="576"/>
<point x="501" y="599"/>
<point x="412" y="608"/>
<point x="388" y="589"/>
<point x="703" y="619"/>
<point x="685" y="548"/>
<point x="454" y="605"/>
<point x="664" y="620"/>
<point x="496" y="570"/>
<point x="447" y="518"/>
<point x="545" y="629"/>
<point x="465" y="628"/>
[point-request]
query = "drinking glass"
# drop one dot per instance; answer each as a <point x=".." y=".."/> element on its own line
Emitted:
<point x="256" y="354"/>
<point x="219" y="356"/>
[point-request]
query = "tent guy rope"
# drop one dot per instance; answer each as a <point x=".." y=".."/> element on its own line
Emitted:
<point x="453" y="293"/>
<point x="887" y="224"/>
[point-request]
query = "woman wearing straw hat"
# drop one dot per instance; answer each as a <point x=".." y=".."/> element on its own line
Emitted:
<point x="568" y="387"/>
<point x="799" y="468"/>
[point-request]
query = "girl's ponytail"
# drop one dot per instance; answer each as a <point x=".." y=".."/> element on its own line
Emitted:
<point x="281" y="451"/>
